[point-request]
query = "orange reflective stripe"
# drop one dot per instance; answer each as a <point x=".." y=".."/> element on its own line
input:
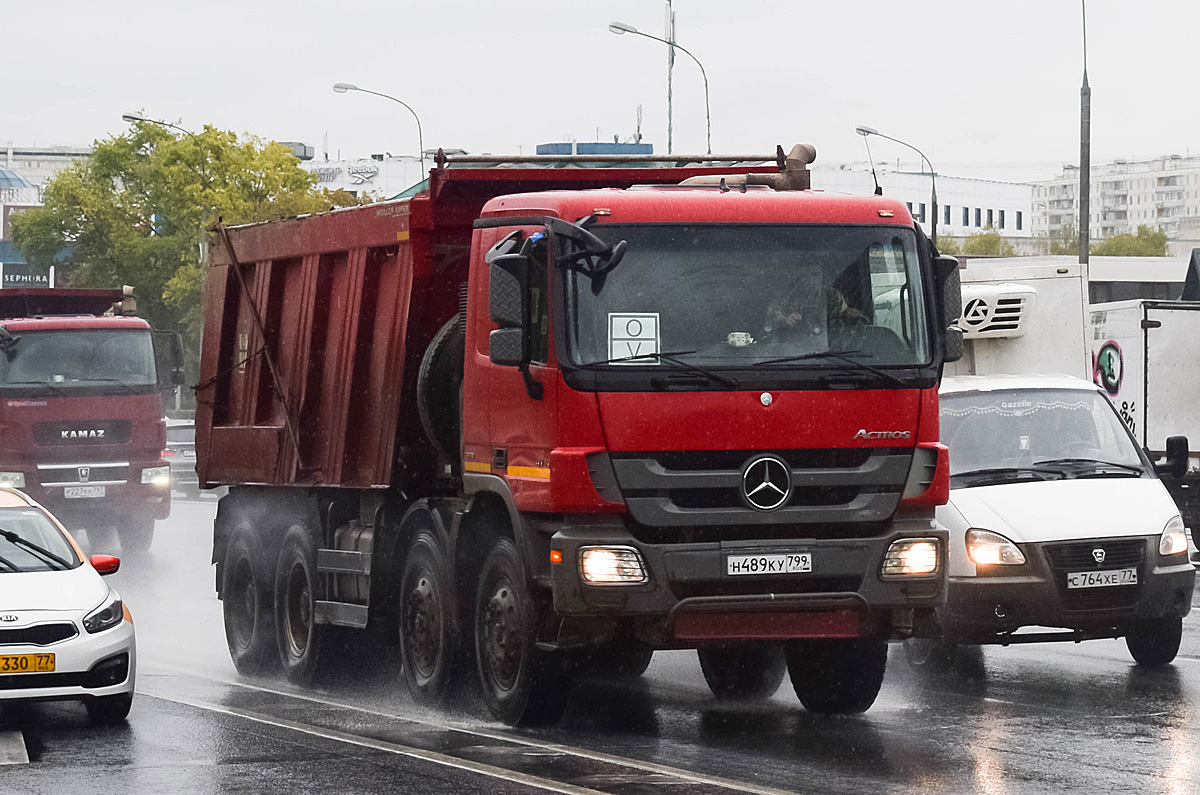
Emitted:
<point x="537" y="473"/>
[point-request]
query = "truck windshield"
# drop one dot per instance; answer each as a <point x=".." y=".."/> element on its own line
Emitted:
<point x="64" y="359"/>
<point x="1071" y="431"/>
<point x="739" y="295"/>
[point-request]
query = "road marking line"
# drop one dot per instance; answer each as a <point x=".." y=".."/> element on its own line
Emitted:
<point x="12" y="749"/>
<point x="584" y="753"/>
<point x="382" y="745"/>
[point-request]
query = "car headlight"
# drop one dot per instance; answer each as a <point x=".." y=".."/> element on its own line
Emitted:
<point x="106" y="616"/>
<point x="911" y="557"/>
<point x="14" y="480"/>
<point x="1174" y="538"/>
<point x="986" y="548"/>
<point x="158" y="476"/>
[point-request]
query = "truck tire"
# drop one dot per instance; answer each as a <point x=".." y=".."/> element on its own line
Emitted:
<point x="246" y="604"/>
<point x="617" y="662"/>
<point x="438" y="388"/>
<point x="1155" y="642"/>
<point x="747" y="674"/>
<point x="136" y="534"/>
<point x="837" y="676"/>
<point x="296" y="582"/>
<point x="521" y="685"/>
<point x="428" y="640"/>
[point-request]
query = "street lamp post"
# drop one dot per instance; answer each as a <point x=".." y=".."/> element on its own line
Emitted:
<point x="620" y="28"/>
<point x="342" y="88"/>
<point x="1085" y="154"/>
<point x="864" y="131"/>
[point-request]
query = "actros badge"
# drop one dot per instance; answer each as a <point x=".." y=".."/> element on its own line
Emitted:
<point x="766" y="483"/>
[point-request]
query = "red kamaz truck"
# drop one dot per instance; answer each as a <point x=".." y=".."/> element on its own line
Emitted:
<point x="538" y="418"/>
<point x="81" y="421"/>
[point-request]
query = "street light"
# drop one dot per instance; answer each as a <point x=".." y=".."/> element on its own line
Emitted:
<point x="620" y="28"/>
<point x="1085" y="155"/>
<point x="864" y="131"/>
<point x="342" y="88"/>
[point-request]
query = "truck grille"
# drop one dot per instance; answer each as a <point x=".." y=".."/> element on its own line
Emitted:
<point x="1118" y="554"/>
<point x="38" y="635"/>
<point x="107" y="473"/>
<point x="82" y="432"/>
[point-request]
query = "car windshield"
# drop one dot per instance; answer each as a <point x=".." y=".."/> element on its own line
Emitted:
<point x="36" y="528"/>
<point x="738" y="295"/>
<point x="1034" y="429"/>
<point x="66" y="359"/>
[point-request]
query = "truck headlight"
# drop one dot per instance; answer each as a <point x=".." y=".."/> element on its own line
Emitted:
<point x="157" y="476"/>
<point x="1174" y="538"/>
<point x="611" y="566"/>
<point x="107" y="615"/>
<point x="14" y="480"/>
<point x="986" y="548"/>
<point x="911" y="557"/>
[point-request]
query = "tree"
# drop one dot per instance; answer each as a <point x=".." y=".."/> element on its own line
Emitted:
<point x="1065" y="241"/>
<point x="948" y="245"/>
<point x="1144" y="243"/>
<point x="987" y="243"/>
<point x="136" y="210"/>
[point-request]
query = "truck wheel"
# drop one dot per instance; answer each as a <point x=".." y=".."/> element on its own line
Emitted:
<point x="428" y="648"/>
<point x="521" y="686"/>
<point x="618" y="662"/>
<point x="837" y="676"/>
<point x="136" y="534"/>
<point x="934" y="655"/>
<point x="1155" y="642"/>
<point x="742" y="674"/>
<point x="246" y="604"/>
<point x="295" y="598"/>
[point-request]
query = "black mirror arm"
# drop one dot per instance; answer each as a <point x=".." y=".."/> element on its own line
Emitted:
<point x="532" y="387"/>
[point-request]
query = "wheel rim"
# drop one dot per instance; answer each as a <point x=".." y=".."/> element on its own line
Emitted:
<point x="503" y="636"/>
<point x="244" y="600"/>
<point x="422" y="626"/>
<point x="299" y="610"/>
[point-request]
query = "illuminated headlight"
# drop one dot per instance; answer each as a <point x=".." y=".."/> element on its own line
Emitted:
<point x="105" y="616"/>
<point x="912" y="557"/>
<point x="13" y="480"/>
<point x="157" y="476"/>
<point x="1174" y="538"/>
<point x="986" y="548"/>
<point x="611" y="566"/>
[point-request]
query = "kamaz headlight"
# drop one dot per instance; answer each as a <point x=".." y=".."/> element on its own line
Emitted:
<point x="105" y="616"/>
<point x="157" y="476"/>
<point x="13" y="480"/>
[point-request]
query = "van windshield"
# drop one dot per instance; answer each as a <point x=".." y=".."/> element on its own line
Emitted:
<point x="1032" y="428"/>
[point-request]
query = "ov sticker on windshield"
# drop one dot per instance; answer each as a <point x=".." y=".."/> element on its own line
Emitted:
<point x="633" y="336"/>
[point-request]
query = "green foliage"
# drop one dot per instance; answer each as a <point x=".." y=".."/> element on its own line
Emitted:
<point x="135" y="212"/>
<point x="948" y="245"/>
<point x="987" y="243"/>
<point x="1065" y="241"/>
<point x="1144" y="243"/>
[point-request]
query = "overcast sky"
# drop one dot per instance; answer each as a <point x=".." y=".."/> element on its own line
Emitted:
<point x="986" y="89"/>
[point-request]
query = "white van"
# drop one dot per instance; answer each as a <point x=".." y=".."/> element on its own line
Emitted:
<point x="1057" y="521"/>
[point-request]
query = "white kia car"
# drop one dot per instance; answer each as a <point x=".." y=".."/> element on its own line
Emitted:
<point x="64" y="633"/>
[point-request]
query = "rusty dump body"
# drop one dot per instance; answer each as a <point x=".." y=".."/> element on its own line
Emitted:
<point x="311" y="351"/>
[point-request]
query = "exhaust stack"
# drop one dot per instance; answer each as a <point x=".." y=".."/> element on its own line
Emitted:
<point x="793" y="172"/>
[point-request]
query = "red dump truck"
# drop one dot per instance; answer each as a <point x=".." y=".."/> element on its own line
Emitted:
<point x="81" y="421"/>
<point x="542" y="418"/>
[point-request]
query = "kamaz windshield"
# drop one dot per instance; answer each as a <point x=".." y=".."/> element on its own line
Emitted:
<point x="60" y="360"/>
<point x="734" y="296"/>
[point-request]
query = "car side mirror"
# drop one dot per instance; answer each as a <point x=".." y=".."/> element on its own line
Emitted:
<point x="1176" y="464"/>
<point x="105" y="564"/>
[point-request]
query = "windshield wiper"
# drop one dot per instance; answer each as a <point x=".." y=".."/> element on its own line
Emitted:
<point x="732" y="383"/>
<point x="116" y="381"/>
<point x="1010" y="471"/>
<point x="1094" y="462"/>
<point x="842" y="356"/>
<point x="11" y="566"/>
<point x="43" y="553"/>
<point x="46" y="384"/>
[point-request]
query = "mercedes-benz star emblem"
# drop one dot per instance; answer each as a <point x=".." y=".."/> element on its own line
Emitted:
<point x="1098" y="554"/>
<point x="766" y="483"/>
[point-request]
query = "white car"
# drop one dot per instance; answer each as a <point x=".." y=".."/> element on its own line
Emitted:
<point x="64" y="633"/>
<point x="1059" y="526"/>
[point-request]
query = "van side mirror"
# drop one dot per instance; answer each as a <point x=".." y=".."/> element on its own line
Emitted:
<point x="1176" y="464"/>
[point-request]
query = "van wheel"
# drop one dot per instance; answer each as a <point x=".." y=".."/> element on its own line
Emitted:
<point x="744" y="674"/>
<point x="934" y="655"/>
<point x="837" y="676"/>
<point x="1155" y="642"/>
<point x="427" y="637"/>
<point x="246" y="605"/>
<point x="521" y="686"/>
<point x="136" y="534"/>
<point x="109" y="710"/>
<point x="299" y="637"/>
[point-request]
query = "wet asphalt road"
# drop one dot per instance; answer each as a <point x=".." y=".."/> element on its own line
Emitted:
<point x="1048" y="718"/>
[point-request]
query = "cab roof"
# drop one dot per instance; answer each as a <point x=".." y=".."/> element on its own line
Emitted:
<point x="72" y="322"/>
<point x="992" y="383"/>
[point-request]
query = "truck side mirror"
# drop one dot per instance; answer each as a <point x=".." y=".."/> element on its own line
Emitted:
<point x="168" y="357"/>
<point x="1176" y="464"/>
<point x="508" y="307"/>
<point x="950" y="283"/>
<point x="955" y="346"/>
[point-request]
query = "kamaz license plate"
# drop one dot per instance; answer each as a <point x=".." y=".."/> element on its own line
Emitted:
<point x="75" y="492"/>
<point x="786" y="563"/>
<point x="1102" y="579"/>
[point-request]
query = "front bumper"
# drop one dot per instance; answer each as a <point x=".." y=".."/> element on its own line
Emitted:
<point x="983" y="609"/>
<point x="120" y="501"/>
<point x="690" y="599"/>
<point x="82" y="669"/>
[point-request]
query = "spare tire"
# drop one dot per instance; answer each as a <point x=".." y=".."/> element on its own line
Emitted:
<point x="439" y="389"/>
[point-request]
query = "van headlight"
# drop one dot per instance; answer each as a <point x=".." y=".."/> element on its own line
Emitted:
<point x="106" y="616"/>
<point x="986" y="548"/>
<point x="157" y="476"/>
<point x="1174" y="538"/>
